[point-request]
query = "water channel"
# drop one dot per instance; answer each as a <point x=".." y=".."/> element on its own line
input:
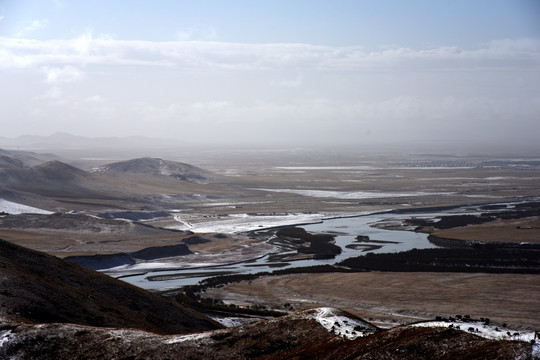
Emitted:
<point x="346" y="230"/>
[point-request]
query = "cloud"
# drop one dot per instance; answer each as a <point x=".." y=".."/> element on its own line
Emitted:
<point x="54" y="93"/>
<point x="59" y="4"/>
<point x="298" y="92"/>
<point x="288" y="83"/>
<point x="197" y="34"/>
<point x="54" y="96"/>
<point x="83" y="43"/>
<point x="94" y="99"/>
<point x="31" y="27"/>
<point x="240" y="56"/>
<point x="67" y="74"/>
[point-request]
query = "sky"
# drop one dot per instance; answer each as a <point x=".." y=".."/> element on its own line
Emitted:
<point x="275" y="72"/>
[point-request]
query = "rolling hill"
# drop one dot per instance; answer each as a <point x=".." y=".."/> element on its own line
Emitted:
<point x="156" y="166"/>
<point x="36" y="180"/>
<point x="53" y="178"/>
<point x="39" y="288"/>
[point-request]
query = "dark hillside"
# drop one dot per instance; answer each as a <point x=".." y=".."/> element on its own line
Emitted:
<point x="39" y="288"/>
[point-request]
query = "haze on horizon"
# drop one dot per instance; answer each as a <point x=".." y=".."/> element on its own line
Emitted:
<point x="455" y="74"/>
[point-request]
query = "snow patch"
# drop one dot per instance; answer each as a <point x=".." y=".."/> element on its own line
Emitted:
<point x="491" y="332"/>
<point x="358" y="167"/>
<point x="4" y="337"/>
<point x="535" y="351"/>
<point x="483" y="196"/>
<point x="237" y="223"/>
<point x="353" y="194"/>
<point x="337" y="322"/>
<point x="15" y="208"/>
<point x="189" y="337"/>
<point x="232" y="321"/>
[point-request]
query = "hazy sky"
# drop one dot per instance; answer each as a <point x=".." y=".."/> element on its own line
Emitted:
<point x="262" y="72"/>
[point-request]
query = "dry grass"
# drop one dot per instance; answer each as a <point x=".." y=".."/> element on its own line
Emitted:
<point x="515" y="230"/>
<point x="393" y="298"/>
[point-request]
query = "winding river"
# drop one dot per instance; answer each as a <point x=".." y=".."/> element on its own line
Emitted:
<point x="346" y="230"/>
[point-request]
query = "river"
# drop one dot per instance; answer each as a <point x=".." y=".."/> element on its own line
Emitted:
<point x="346" y="230"/>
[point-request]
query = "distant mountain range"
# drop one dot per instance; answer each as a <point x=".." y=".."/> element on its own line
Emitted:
<point x="65" y="140"/>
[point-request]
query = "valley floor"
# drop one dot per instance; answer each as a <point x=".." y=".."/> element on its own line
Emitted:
<point x="390" y="298"/>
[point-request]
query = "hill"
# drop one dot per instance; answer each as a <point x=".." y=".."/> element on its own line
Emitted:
<point x="297" y="336"/>
<point x="156" y="166"/>
<point x="8" y="162"/>
<point x="53" y="178"/>
<point x="38" y="288"/>
<point x="8" y="158"/>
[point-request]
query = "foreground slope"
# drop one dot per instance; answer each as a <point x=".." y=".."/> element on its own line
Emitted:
<point x="39" y="288"/>
<point x="296" y="336"/>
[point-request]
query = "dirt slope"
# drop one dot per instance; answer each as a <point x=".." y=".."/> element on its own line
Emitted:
<point x="39" y="288"/>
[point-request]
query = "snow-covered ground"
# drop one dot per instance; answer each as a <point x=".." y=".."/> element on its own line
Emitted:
<point x="490" y="332"/>
<point x="237" y="223"/>
<point x="358" y="167"/>
<point x="4" y="337"/>
<point x="337" y="322"/>
<point x="232" y="321"/>
<point x="483" y="330"/>
<point x="353" y="194"/>
<point x="190" y="337"/>
<point x="14" y="208"/>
